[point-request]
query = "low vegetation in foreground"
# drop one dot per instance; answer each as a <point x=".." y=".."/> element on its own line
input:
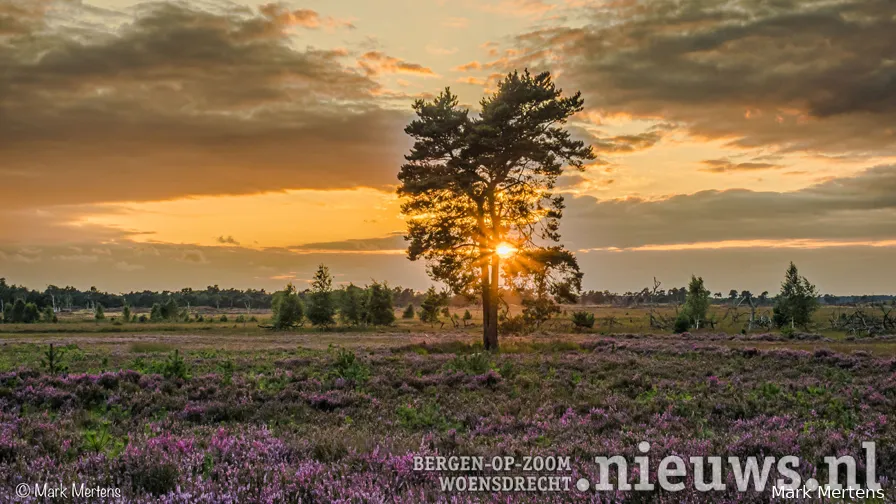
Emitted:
<point x="344" y="425"/>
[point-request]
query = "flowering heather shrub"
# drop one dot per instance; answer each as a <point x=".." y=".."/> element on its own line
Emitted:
<point x="286" y="427"/>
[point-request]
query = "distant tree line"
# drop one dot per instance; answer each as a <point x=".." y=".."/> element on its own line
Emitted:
<point x="70" y="298"/>
<point x="323" y="307"/>
<point x="678" y="295"/>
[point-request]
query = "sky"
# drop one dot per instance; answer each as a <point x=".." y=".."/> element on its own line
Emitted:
<point x="162" y="145"/>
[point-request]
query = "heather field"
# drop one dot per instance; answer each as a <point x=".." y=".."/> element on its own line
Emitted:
<point x="340" y="417"/>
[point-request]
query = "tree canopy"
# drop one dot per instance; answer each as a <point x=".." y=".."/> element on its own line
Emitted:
<point x="474" y="187"/>
<point x="796" y="302"/>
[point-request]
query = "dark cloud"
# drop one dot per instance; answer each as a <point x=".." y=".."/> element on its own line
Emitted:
<point x="227" y="240"/>
<point x="726" y="166"/>
<point x="862" y="207"/>
<point x="394" y="241"/>
<point x="841" y="270"/>
<point x="129" y="266"/>
<point x="798" y="74"/>
<point x="627" y="143"/>
<point x="186" y="101"/>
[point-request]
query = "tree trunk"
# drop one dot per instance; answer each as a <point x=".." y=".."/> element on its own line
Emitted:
<point x="491" y="333"/>
<point x="483" y="279"/>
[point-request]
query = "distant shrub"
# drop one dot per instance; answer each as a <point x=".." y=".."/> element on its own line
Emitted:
<point x="99" y="313"/>
<point x="222" y="318"/>
<point x="539" y="310"/>
<point x="516" y="324"/>
<point x="380" y="311"/>
<point x="583" y="319"/>
<point x="287" y="308"/>
<point x="49" y="315"/>
<point x="432" y="305"/>
<point x="682" y="323"/>
<point x="408" y="312"/>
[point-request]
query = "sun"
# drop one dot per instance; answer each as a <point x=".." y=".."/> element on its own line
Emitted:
<point x="505" y="250"/>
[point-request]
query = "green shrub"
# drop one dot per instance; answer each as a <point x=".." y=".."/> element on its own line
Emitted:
<point x="347" y="366"/>
<point x="52" y="360"/>
<point x="516" y="324"/>
<point x="175" y="367"/>
<point x="682" y="323"/>
<point x="380" y="311"/>
<point x="429" y="416"/>
<point x="408" y="312"/>
<point x="475" y="363"/>
<point x="287" y="308"/>
<point x="583" y="319"/>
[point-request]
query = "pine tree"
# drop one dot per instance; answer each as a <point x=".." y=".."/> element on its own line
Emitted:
<point x="408" y="312"/>
<point x="379" y="305"/>
<point x="287" y="308"/>
<point x="351" y="305"/>
<point x="796" y="302"/>
<point x="432" y="303"/>
<point x="321" y="307"/>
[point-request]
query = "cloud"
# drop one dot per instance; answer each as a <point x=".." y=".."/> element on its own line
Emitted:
<point x="857" y="208"/>
<point x="194" y="256"/>
<point x="281" y="17"/>
<point x="131" y="267"/>
<point x="456" y="22"/>
<point x="440" y="51"/>
<point x="376" y="63"/>
<point x="621" y="144"/>
<point x="521" y="8"/>
<point x="726" y="166"/>
<point x="126" y="266"/>
<point x="466" y="67"/>
<point x="80" y="258"/>
<point x="800" y="75"/>
<point x="227" y="240"/>
<point x="471" y="80"/>
<point x="392" y="243"/>
<point x="183" y="101"/>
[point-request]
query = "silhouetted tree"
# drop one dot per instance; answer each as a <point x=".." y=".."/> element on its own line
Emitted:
<point x="379" y="305"/>
<point x="321" y="307"/>
<point x="476" y="186"/>
<point x="286" y="308"/>
<point x="796" y="302"/>
<point x="351" y="305"/>
<point x="432" y="304"/>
